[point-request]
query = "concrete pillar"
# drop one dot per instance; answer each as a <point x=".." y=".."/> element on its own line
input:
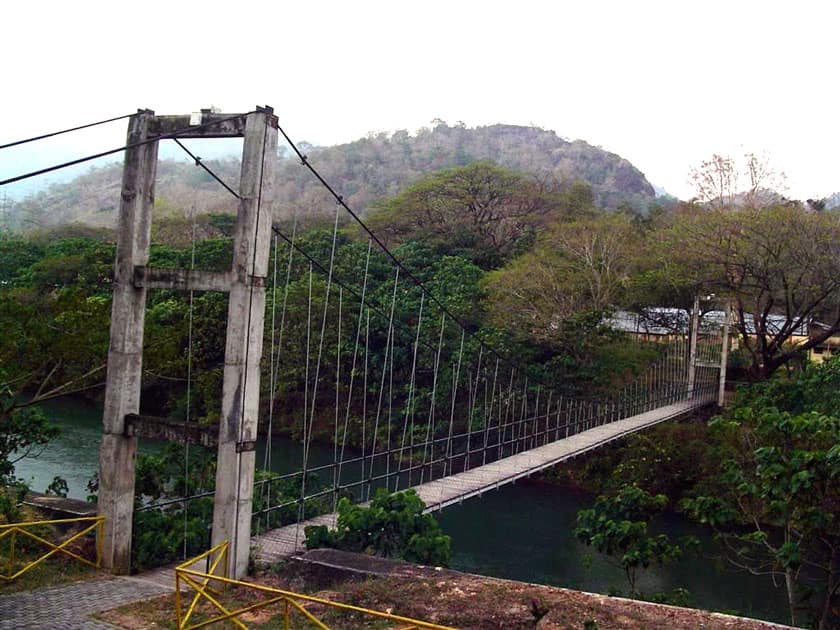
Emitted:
<point x="724" y="354"/>
<point x="125" y="354"/>
<point x="692" y="352"/>
<point x="243" y="350"/>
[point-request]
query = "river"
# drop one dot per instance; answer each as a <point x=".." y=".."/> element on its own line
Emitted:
<point x="521" y="531"/>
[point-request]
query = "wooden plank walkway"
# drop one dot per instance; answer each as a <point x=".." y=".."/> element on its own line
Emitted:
<point x="285" y="541"/>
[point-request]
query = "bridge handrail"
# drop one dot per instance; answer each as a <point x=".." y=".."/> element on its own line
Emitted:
<point x="505" y="436"/>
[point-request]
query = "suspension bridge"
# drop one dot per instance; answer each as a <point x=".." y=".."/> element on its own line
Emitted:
<point x="336" y="340"/>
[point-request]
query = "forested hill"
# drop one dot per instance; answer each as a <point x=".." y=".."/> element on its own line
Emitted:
<point x="364" y="171"/>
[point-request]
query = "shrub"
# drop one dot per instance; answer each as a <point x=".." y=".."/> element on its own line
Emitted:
<point x="393" y="526"/>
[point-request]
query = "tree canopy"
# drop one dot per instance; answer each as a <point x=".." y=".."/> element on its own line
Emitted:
<point x="773" y="491"/>
<point x="483" y="211"/>
<point x="780" y="266"/>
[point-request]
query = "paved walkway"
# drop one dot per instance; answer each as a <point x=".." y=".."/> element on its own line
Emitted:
<point x="70" y="606"/>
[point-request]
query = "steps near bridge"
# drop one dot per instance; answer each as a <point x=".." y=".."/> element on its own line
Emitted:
<point x="283" y="542"/>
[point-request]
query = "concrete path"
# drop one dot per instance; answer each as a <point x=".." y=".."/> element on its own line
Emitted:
<point x="70" y="606"/>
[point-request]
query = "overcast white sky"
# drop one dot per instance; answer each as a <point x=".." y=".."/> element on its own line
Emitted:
<point x="663" y="84"/>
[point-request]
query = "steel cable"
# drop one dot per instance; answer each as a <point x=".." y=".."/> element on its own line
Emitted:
<point x="58" y="133"/>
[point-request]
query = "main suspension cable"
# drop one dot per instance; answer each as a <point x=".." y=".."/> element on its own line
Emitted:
<point x="199" y="162"/>
<point x="133" y="145"/>
<point x="58" y="133"/>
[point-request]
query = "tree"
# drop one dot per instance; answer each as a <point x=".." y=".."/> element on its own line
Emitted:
<point x="16" y="255"/>
<point x="618" y="526"/>
<point x="776" y="505"/>
<point x="780" y="265"/>
<point x="575" y="267"/>
<point x="483" y="211"/>
<point x="721" y="182"/>
<point x="23" y="430"/>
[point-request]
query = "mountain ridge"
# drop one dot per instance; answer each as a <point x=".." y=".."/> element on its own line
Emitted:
<point x="364" y="171"/>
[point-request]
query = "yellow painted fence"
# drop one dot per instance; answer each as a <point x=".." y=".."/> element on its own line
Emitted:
<point x="12" y="531"/>
<point x="206" y="586"/>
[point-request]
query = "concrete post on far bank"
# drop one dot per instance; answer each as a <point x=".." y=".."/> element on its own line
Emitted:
<point x="724" y="354"/>
<point x="243" y="350"/>
<point x="125" y="353"/>
<point x="692" y="351"/>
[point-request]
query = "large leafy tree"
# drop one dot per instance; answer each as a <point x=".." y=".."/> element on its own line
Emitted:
<point x="483" y="211"/>
<point x="576" y="267"/>
<point x="777" y="507"/>
<point x="772" y="491"/>
<point x="780" y="266"/>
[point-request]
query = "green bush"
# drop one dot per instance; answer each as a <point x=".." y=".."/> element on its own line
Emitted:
<point x="394" y="526"/>
<point x="618" y="527"/>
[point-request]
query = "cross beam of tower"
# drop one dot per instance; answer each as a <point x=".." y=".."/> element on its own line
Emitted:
<point x="245" y="283"/>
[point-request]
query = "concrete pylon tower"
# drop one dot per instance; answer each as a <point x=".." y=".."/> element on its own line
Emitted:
<point x="246" y="284"/>
<point x="244" y="343"/>
<point x="125" y="353"/>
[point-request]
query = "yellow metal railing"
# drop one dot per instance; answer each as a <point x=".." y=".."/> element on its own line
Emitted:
<point x="12" y="530"/>
<point x="216" y="559"/>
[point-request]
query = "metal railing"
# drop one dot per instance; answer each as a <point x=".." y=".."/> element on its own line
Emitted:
<point x="13" y="530"/>
<point x="206" y="587"/>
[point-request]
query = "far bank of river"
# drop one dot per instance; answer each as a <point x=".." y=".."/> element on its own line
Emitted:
<point x="522" y="532"/>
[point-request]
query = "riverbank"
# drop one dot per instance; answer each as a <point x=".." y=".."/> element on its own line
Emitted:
<point x="447" y="597"/>
<point x="519" y="532"/>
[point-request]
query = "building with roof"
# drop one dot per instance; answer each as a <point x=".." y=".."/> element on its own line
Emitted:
<point x="662" y="324"/>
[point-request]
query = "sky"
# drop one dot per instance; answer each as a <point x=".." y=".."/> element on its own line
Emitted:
<point x="663" y="84"/>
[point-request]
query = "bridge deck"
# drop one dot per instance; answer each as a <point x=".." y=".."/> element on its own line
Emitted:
<point x="437" y="494"/>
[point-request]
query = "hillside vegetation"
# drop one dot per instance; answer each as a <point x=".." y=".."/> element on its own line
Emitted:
<point x="367" y="170"/>
<point x="527" y="263"/>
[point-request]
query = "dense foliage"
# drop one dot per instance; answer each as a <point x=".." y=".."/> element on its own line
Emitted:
<point x="392" y="526"/>
<point x="618" y="526"/>
<point x="167" y="528"/>
<point x="774" y="499"/>
<point x="56" y="303"/>
<point x="764" y="476"/>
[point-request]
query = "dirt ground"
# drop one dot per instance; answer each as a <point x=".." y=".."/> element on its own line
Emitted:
<point x="443" y="597"/>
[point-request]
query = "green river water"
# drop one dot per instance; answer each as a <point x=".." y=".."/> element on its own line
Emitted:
<point x="521" y="531"/>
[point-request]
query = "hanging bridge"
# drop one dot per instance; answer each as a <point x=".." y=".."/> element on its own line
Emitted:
<point x="458" y="486"/>
<point x="336" y="340"/>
